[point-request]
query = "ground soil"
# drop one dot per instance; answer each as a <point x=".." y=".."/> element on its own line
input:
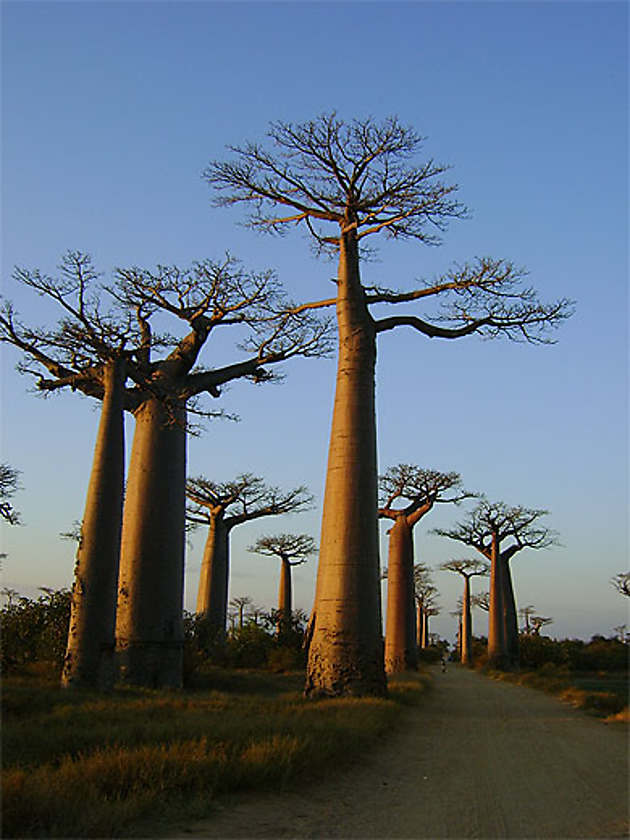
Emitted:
<point x="478" y="758"/>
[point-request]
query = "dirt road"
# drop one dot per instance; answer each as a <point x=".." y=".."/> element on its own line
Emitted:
<point x="478" y="759"/>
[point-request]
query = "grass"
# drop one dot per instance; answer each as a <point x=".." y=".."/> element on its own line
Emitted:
<point x="600" y="694"/>
<point x="81" y="765"/>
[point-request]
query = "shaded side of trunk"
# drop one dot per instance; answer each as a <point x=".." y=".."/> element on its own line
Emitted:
<point x="149" y="629"/>
<point x="510" y="621"/>
<point x="496" y="636"/>
<point x="400" y="642"/>
<point x="466" y="626"/>
<point x="425" y="630"/>
<point x="346" y="649"/>
<point x="89" y="659"/>
<point x="212" y="594"/>
<point x="285" y="597"/>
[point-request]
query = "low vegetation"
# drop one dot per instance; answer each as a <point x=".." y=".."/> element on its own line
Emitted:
<point x="592" y="676"/>
<point x="81" y="764"/>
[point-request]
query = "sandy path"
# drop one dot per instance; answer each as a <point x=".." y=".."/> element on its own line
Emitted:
<point x="478" y="759"/>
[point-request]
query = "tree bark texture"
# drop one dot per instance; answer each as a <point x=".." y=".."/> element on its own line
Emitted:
<point x="400" y="641"/>
<point x="89" y="659"/>
<point x="285" y="596"/>
<point x="149" y="629"/>
<point x="466" y="627"/>
<point x="212" y="595"/>
<point x="510" y="620"/>
<point x="496" y="629"/>
<point x="346" y="650"/>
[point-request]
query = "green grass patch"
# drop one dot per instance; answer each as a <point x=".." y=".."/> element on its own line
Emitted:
<point x="83" y="765"/>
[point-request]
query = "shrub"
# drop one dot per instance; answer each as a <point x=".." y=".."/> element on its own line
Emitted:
<point x="35" y="630"/>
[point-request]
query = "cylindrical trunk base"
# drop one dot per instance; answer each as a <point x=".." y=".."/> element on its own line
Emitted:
<point x="151" y="665"/>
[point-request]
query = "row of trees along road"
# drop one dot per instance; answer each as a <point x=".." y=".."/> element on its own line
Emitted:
<point x="498" y="532"/>
<point x="116" y="355"/>
<point x="343" y="182"/>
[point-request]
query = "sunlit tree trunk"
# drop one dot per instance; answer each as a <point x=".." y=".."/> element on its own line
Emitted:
<point x="496" y="632"/>
<point x="419" y="624"/>
<point x="466" y="625"/>
<point x="212" y="595"/>
<point x="346" y="650"/>
<point x="285" y="597"/>
<point x="90" y="650"/>
<point x="400" y="641"/>
<point x="149" y="631"/>
<point x="510" y="620"/>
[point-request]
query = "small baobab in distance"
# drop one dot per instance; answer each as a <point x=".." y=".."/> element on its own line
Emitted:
<point x="223" y="506"/>
<point x="487" y="529"/>
<point x="292" y="550"/>
<point x="466" y="568"/>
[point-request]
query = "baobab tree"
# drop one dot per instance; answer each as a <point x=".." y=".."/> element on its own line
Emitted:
<point x="466" y="568"/>
<point x="292" y="550"/>
<point x="458" y="613"/>
<point x="481" y="600"/>
<point x="525" y="613"/>
<point x="240" y="604"/>
<point x="223" y="506"/>
<point x="486" y="529"/>
<point x="425" y="594"/>
<point x="417" y="490"/>
<point x="538" y="621"/>
<point x="92" y="351"/>
<point x="207" y="296"/>
<point x="9" y="485"/>
<point x="621" y="583"/>
<point x="346" y="182"/>
<point x="428" y="611"/>
<point x="108" y="354"/>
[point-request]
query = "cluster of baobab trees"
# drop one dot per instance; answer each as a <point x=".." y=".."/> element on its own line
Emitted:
<point x="345" y="183"/>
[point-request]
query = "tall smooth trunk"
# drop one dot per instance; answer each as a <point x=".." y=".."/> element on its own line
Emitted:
<point x="285" y="597"/>
<point x="419" y="624"/>
<point x="346" y="649"/>
<point x="149" y="628"/>
<point x="466" y="638"/>
<point x="425" y="630"/>
<point x="496" y="633"/>
<point x="90" y="649"/>
<point x="400" y="642"/>
<point x="510" y="621"/>
<point x="212" y="594"/>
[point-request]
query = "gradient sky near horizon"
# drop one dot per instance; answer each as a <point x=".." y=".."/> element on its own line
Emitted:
<point x="112" y="110"/>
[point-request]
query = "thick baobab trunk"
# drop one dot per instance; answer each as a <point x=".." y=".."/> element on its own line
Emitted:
<point x="400" y="642"/>
<point x="496" y="634"/>
<point x="466" y="626"/>
<point x="149" y="631"/>
<point x="89" y="659"/>
<point x="510" y="621"/>
<point x="346" y="649"/>
<point x="212" y="595"/>
<point x="285" y="597"/>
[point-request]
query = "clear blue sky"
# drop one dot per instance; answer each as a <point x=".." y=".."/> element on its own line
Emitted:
<point x="112" y="110"/>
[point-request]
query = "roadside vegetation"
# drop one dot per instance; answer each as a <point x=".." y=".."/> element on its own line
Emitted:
<point x="131" y="763"/>
<point x="592" y="676"/>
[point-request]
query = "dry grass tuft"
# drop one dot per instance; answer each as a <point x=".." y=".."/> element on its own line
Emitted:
<point x="83" y="766"/>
